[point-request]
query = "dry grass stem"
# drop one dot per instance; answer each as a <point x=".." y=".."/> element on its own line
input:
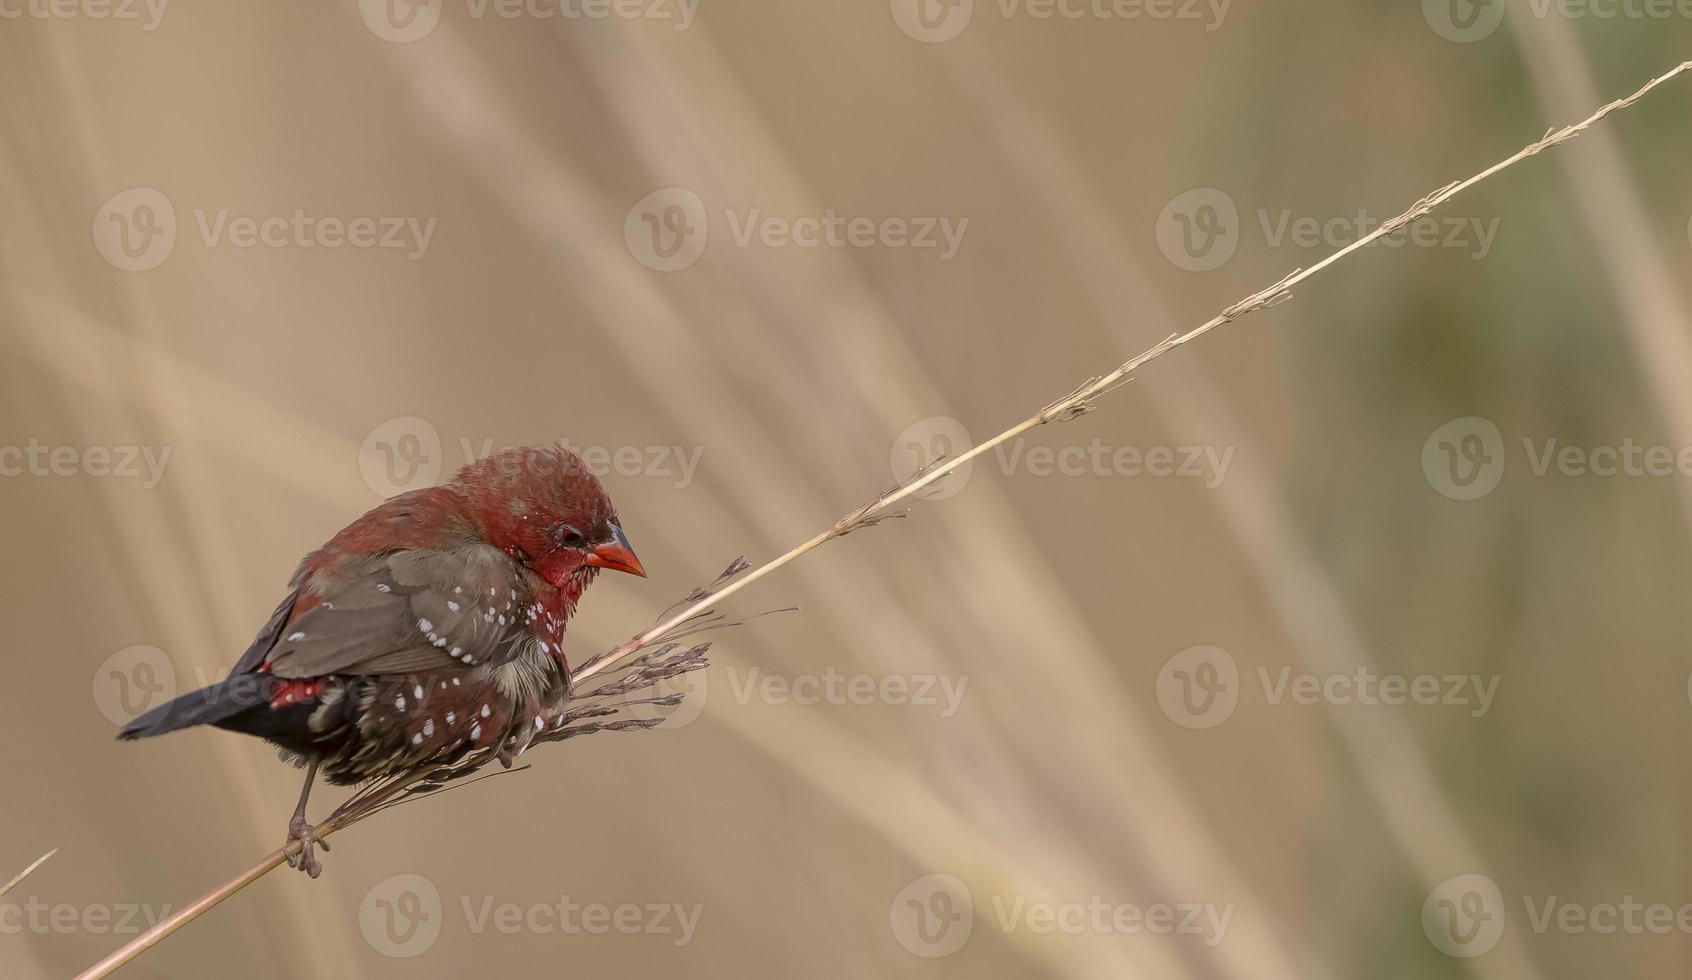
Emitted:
<point x="25" y="873"/>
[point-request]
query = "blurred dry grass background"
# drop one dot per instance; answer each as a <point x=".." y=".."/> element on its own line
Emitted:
<point x="793" y="372"/>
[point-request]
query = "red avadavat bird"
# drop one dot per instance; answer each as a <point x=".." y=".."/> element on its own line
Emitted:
<point x="430" y="627"/>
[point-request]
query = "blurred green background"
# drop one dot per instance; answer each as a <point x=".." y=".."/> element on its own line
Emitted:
<point x="611" y="195"/>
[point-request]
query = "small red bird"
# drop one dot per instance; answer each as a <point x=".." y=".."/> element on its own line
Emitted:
<point x="430" y="627"/>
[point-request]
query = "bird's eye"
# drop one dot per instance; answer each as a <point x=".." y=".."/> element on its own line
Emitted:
<point x="569" y="537"/>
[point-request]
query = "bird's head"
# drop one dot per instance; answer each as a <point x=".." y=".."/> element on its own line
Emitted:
<point x="543" y="506"/>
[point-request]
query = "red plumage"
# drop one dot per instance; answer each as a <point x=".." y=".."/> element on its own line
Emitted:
<point x="430" y="627"/>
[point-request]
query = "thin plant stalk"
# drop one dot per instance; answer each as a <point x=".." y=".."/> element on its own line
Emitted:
<point x="25" y="873"/>
<point x="691" y="612"/>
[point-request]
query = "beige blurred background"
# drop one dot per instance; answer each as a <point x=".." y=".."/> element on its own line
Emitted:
<point x="1117" y="784"/>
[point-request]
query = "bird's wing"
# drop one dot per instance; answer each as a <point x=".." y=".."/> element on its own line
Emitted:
<point x="416" y="610"/>
<point x="270" y="632"/>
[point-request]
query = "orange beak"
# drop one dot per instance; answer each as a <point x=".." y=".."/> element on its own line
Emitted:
<point x="617" y="555"/>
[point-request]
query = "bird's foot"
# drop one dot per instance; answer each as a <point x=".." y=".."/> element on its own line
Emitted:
<point x="514" y="747"/>
<point x="306" y="858"/>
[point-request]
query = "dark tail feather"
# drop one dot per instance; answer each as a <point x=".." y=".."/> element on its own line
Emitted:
<point x="207" y="706"/>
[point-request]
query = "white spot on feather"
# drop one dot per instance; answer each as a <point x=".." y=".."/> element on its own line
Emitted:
<point x="424" y="625"/>
<point x="399" y="702"/>
<point x="484" y="711"/>
<point x="295" y="637"/>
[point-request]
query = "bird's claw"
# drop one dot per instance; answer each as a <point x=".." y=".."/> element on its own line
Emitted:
<point x="306" y="858"/>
